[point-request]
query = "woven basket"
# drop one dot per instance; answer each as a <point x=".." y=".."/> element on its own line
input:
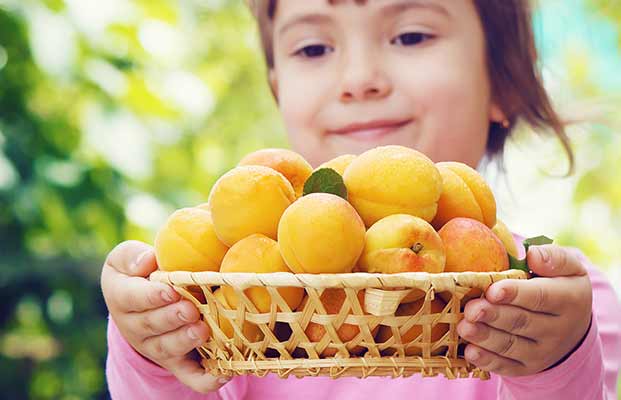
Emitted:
<point x="285" y="349"/>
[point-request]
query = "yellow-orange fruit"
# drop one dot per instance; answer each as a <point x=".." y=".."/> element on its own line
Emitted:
<point x="204" y="206"/>
<point x="465" y="194"/>
<point x="505" y="236"/>
<point x="332" y="300"/>
<point x="289" y="163"/>
<point x="402" y="243"/>
<point x="259" y="254"/>
<point x="321" y="233"/>
<point x="248" y="200"/>
<point x="250" y="330"/>
<point x="472" y="246"/>
<point x="188" y="242"/>
<point x="437" y="331"/>
<point x="339" y="164"/>
<point x="391" y="180"/>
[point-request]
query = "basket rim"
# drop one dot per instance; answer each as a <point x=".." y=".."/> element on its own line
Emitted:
<point x="360" y="367"/>
<point x="440" y="281"/>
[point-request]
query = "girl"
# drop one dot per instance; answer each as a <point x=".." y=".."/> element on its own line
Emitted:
<point x="450" y="79"/>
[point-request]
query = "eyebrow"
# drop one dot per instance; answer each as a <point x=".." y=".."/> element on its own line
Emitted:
<point x="401" y="6"/>
<point x="314" y="18"/>
<point x="390" y="9"/>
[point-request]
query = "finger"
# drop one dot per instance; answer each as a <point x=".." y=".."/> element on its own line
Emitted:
<point x="508" y="318"/>
<point x="164" y="319"/>
<point x="540" y="295"/>
<point x="192" y="374"/>
<point x="502" y="343"/>
<point x="176" y="343"/>
<point x="134" y="294"/>
<point x="132" y="258"/>
<point x="551" y="260"/>
<point x="491" y="362"/>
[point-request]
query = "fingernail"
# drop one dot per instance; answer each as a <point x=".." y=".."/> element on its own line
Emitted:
<point x="139" y="259"/>
<point x="192" y="334"/>
<point x="544" y="254"/>
<point x="466" y="330"/>
<point x="471" y="330"/>
<point x="479" y="316"/>
<point x="167" y="296"/>
<point x="502" y="294"/>
<point x="475" y="355"/>
<point x="183" y="317"/>
<point x="223" y="380"/>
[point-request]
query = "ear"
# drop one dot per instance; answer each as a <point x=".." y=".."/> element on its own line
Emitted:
<point x="495" y="113"/>
<point x="273" y="81"/>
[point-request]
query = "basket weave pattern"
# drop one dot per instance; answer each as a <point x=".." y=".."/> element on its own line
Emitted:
<point x="285" y="348"/>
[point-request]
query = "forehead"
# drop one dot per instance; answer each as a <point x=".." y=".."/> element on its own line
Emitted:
<point x="276" y="5"/>
<point x="290" y="13"/>
<point x="288" y="8"/>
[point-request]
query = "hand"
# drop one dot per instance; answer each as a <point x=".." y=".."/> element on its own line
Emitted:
<point x="152" y="317"/>
<point x="523" y="327"/>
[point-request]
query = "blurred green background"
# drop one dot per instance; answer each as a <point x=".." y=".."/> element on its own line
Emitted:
<point x="114" y="113"/>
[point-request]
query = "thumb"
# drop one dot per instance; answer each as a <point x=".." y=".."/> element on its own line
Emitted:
<point x="551" y="260"/>
<point x="192" y="374"/>
<point x="133" y="258"/>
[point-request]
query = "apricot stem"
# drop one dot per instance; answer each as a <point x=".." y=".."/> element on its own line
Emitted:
<point x="417" y="248"/>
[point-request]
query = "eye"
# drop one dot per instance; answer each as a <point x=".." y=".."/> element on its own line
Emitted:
<point x="411" y="38"/>
<point x="313" y="51"/>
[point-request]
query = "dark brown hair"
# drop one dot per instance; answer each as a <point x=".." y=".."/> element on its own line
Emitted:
<point x="517" y="85"/>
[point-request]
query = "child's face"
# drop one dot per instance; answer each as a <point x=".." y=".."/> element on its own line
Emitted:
<point x="350" y="77"/>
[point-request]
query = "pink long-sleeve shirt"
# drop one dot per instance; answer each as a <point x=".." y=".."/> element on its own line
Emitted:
<point x="590" y="372"/>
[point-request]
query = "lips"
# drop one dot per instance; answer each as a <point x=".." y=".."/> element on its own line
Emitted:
<point x="370" y="130"/>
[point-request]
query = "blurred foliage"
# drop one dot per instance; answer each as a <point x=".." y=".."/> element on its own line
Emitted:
<point x="114" y="113"/>
<point x="597" y="192"/>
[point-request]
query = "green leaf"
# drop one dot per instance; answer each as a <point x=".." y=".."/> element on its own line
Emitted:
<point x="514" y="263"/>
<point x="536" y="241"/>
<point x="522" y="265"/>
<point x="326" y="180"/>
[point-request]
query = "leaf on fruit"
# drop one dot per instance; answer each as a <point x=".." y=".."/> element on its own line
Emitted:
<point x="536" y="241"/>
<point x="514" y="263"/>
<point x="522" y="265"/>
<point x="326" y="180"/>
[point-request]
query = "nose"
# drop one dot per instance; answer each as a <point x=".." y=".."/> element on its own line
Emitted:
<point x="363" y="77"/>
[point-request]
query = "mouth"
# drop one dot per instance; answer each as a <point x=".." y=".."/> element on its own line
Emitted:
<point x="372" y="130"/>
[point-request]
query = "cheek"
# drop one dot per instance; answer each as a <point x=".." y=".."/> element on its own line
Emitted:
<point x="291" y="100"/>
<point x="452" y="106"/>
<point x="300" y="99"/>
<point x="451" y="85"/>
<point x="457" y="101"/>
<point x="299" y="102"/>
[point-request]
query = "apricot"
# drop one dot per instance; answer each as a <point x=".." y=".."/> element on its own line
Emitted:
<point x="465" y="194"/>
<point x="339" y="164"/>
<point x="321" y="233"/>
<point x="289" y="163"/>
<point x="248" y="200"/>
<point x="188" y="242"/>
<point x="402" y="243"/>
<point x="505" y="236"/>
<point x="259" y="254"/>
<point x="332" y="300"/>
<point x="472" y="246"/>
<point x="393" y="180"/>
<point x="437" y="331"/>
<point x="251" y="331"/>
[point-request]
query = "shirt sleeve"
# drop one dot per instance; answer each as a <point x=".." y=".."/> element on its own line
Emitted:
<point x="131" y="376"/>
<point x="591" y="371"/>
